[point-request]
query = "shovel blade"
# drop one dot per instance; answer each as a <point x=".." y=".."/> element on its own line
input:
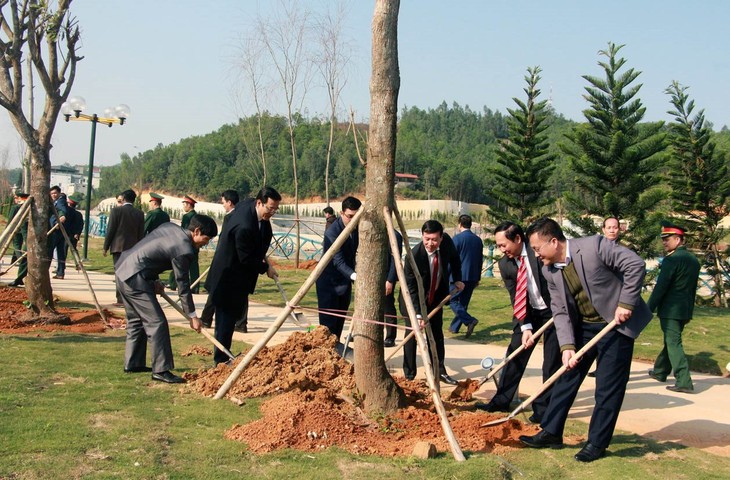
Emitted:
<point x="499" y="421"/>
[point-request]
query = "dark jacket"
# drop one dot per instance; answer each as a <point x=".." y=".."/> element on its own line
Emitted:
<point x="676" y="286"/>
<point x="125" y="228"/>
<point x="508" y="271"/>
<point x="337" y="274"/>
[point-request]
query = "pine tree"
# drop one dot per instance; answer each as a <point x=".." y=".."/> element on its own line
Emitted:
<point x="524" y="160"/>
<point x="615" y="159"/>
<point x="700" y="183"/>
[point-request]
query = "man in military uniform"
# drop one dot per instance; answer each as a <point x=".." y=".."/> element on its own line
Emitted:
<point x="156" y="216"/>
<point x="674" y="300"/>
<point x="20" y="247"/>
<point x="188" y="204"/>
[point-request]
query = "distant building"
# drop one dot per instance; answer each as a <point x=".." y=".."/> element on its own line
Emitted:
<point x="405" y="180"/>
<point x="73" y="179"/>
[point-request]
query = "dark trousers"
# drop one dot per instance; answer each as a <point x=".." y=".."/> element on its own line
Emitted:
<point x="329" y="301"/>
<point x="225" y="324"/>
<point x="115" y="259"/>
<point x="613" y="355"/>
<point x="409" y="349"/>
<point x="512" y="374"/>
<point x="672" y="358"/>
<point x="459" y="303"/>
<point x="146" y="323"/>
<point x="391" y="317"/>
<point x="58" y="243"/>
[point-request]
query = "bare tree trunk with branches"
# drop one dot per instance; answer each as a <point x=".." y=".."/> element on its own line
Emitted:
<point x="51" y="38"/>
<point x="381" y="393"/>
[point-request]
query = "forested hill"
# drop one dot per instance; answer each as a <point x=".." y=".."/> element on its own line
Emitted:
<point x="450" y="148"/>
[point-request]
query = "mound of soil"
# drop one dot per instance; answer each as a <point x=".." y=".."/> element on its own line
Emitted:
<point x="314" y="408"/>
<point x="15" y="317"/>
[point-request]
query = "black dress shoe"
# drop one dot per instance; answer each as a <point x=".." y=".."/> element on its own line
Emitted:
<point x="542" y="440"/>
<point x="674" y="388"/>
<point x="16" y="283"/>
<point x="535" y="418"/>
<point x="242" y="328"/>
<point x="410" y="377"/>
<point x="656" y="376"/>
<point x="492" y="407"/>
<point x="388" y="343"/>
<point x="590" y="453"/>
<point x="447" y="379"/>
<point x="592" y="374"/>
<point x="137" y="369"/>
<point x="470" y="328"/>
<point x="167" y="377"/>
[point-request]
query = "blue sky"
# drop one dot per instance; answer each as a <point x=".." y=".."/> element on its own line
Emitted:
<point x="172" y="61"/>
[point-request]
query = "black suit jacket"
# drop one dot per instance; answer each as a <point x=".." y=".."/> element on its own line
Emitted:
<point x="449" y="265"/>
<point x="240" y="257"/>
<point x="338" y="272"/>
<point x="508" y="270"/>
<point x="125" y="228"/>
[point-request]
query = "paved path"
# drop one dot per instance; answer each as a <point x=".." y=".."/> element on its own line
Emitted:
<point x="701" y="420"/>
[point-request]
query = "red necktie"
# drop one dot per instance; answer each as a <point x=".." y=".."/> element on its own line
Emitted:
<point x="521" y="292"/>
<point x="434" y="279"/>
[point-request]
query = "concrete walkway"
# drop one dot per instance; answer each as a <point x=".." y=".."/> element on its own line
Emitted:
<point x="700" y="420"/>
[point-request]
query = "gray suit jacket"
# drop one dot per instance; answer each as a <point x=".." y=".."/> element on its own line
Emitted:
<point x="610" y="274"/>
<point x="167" y="247"/>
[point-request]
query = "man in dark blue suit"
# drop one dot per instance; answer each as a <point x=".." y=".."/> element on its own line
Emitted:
<point x="138" y="280"/>
<point x="592" y="281"/>
<point x="470" y="248"/>
<point x="239" y="259"/>
<point x="334" y="286"/>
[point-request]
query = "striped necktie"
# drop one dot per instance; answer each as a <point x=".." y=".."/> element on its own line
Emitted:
<point x="521" y="292"/>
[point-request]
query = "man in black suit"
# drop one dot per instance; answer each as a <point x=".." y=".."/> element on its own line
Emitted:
<point x="592" y="281"/>
<point x="56" y="241"/>
<point x="74" y="224"/>
<point x="137" y="274"/>
<point x="530" y="298"/>
<point x="239" y="259"/>
<point x="436" y="259"/>
<point x="391" y="314"/>
<point x="334" y="286"/>
<point x="125" y="229"/>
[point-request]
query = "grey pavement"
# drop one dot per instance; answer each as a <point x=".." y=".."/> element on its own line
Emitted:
<point x="699" y="420"/>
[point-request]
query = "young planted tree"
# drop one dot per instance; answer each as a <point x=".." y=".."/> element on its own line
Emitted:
<point x="285" y="38"/>
<point x="31" y="31"/>
<point x="700" y="182"/>
<point x="524" y="161"/>
<point x="334" y="57"/>
<point x="380" y="392"/>
<point x="615" y="160"/>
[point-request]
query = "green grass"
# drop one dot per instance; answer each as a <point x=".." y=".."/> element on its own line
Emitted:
<point x="68" y="411"/>
<point x="706" y="339"/>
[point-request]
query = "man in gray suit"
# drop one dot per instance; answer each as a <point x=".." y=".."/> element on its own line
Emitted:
<point x="169" y="246"/>
<point x="125" y="229"/>
<point x="591" y="281"/>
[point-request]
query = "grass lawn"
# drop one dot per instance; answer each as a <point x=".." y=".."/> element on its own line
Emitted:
<point x="68" y="411"/>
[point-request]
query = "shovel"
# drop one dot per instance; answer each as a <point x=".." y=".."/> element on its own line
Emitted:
<point x="298" y="317"/>
<point x="202" y="330"/>
<point x="517" y="351"/>
<point x="555" y="375"/>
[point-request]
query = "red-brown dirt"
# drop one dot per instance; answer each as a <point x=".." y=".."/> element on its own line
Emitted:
<point x="313" y="405"/>
<point x="15" y="317"/>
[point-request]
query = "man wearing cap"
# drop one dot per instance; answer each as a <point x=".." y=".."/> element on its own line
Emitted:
<point x="156" y="216"/>
<point x="674" y="299"/>
<point x="20" y="247"/>
<point x="125" y="229"/>
<point x="188" y="205"/>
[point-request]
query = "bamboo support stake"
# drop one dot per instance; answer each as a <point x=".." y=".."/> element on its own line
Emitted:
<point x="411" y="334"/>
<point x="12" y="228"/>
<point x="288" y="309"/>
<point x="430" y="376"/>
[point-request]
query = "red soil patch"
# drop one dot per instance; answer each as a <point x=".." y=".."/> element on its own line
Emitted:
<point x="314" y="408"/>
<point x="15" y="317"/>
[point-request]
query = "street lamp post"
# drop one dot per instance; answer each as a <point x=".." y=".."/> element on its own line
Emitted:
<point x="71" y="110"/>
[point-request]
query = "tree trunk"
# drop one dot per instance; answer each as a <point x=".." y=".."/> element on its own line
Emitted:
<point x="380" y="393"/>
<point x="38" y="282"/>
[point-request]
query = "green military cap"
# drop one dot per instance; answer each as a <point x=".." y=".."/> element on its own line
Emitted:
<point x="189" y="200"/>
<point x="669" y="229"/>
<point x="156" y="196"/>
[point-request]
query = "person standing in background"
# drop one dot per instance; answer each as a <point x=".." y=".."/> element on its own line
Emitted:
<point x="470" y="248"/>
<point x="188" y="205"/>
<point x="156" y="216"/>
<point x="125" y="229"/>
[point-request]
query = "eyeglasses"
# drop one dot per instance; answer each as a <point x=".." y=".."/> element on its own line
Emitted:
<point x="538" y="249"/>
<point x="271" y="210"/>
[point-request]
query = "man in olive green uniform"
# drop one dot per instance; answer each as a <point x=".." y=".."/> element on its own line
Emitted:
<point x="188" y="204"/>
<point x="156" y="216"/>
<point x="674" y="298"/>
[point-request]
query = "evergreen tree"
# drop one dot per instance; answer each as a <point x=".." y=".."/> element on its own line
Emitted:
<point x="614" y="159"/>
<point x="524" y="161"/>
<point x="700" y="183"/>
